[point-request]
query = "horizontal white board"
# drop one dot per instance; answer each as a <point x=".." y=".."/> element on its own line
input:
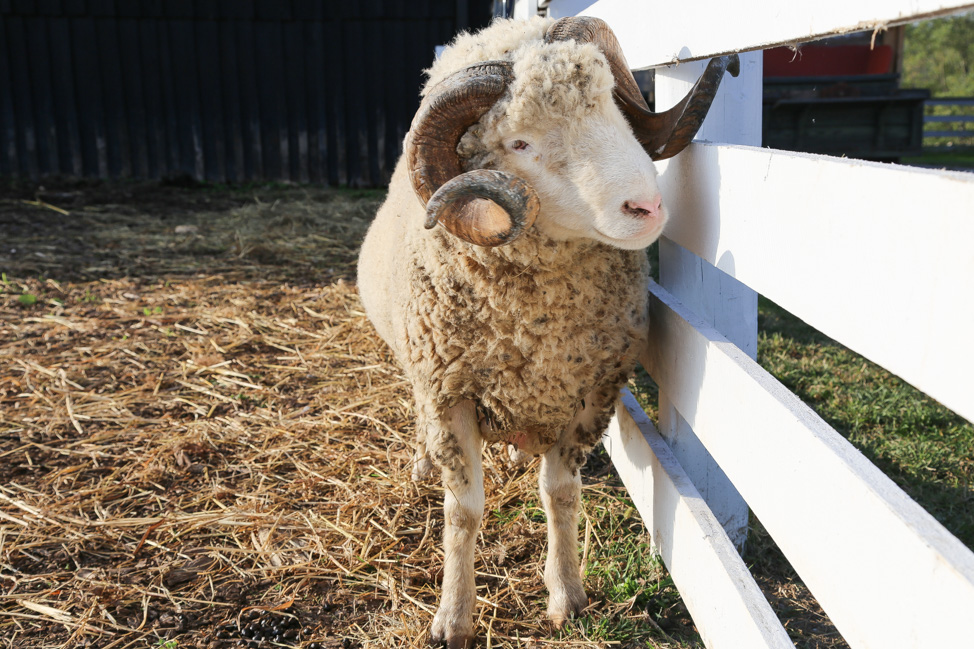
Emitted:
<point x="885" y="571"/>
<point x="877" y="256"/>
<point x="662" y="33"/>
<point x="727" y="606"/>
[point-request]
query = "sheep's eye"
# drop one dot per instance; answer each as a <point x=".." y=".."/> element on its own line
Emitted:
<point x="520" y="145"/>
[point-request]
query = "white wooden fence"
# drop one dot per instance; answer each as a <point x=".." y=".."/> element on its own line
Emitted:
<point x="955" y="123"/>
<point x="879" y="257"/>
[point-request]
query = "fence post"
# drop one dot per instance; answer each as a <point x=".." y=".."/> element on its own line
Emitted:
<point x="731" y="307"/>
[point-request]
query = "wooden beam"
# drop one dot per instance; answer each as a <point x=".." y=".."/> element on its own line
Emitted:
<point x="653" y="34"/>
<point x="887" y="573"/>
<point x="726" y="304"/>
<point x="874" y="255"/>
<point x="727" y="606"/>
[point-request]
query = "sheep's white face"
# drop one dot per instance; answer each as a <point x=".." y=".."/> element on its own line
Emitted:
<point x="593" y="177"/>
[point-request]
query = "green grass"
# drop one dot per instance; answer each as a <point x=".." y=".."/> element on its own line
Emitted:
<point x="622" y="562"/>
<point x="640" y="606"/>
<point x="963" y="158"/>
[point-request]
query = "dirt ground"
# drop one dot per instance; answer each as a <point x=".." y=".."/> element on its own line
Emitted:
<point x="201" y="434"/>
<point x="198" y="422"/>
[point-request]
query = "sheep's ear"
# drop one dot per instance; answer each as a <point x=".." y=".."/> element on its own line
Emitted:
<point x="484" y="207"/>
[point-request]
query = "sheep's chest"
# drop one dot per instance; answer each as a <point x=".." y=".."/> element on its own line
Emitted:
<point x="529" y="332"/>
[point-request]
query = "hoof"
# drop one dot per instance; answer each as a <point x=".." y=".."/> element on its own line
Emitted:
<point x="459" y="642"/>
<point x="566" y="605"/>
<point x="442" y="636"/>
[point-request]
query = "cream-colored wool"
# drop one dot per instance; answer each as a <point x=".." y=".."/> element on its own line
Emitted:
<point x="528" y="342"/>
<point x="527" y="329"/>
<point x="557" y="83"/>
<point x="497" y="42"/>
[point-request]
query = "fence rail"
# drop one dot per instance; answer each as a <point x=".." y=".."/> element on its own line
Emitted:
<point x="841" y="244"/>
<point x="856" y="539"/>
<point x="794" y="227"/>
<point x="954" y="113"/>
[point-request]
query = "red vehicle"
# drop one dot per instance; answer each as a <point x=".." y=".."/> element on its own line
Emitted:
<point x="842" y="97"/>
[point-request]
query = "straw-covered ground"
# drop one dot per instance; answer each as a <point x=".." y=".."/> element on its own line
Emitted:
<point x="202" y="438"/>
<point x="197" y="421"/>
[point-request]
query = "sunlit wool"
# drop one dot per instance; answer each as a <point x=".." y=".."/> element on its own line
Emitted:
<point x="529" y="342"/>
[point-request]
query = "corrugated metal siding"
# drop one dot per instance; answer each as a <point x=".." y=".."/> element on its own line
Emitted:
<point x="223" y="90"/>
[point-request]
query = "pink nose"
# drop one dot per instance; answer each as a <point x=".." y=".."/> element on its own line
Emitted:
<point x="643" y="209"/>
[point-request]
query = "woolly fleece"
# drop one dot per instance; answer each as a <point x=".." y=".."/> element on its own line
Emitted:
<point x="554" y="83"/>
<point x="527" y="330"/>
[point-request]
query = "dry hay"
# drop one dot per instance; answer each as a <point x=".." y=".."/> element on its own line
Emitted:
<point x="196" y="418"/>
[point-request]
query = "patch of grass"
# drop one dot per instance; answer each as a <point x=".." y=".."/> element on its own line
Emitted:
<point x="646" y="392"/>
<point x="639" y="606"/>
<point x="624" y="560"/>
<point x="25" y="296"/>
<point x="962" y="158"/>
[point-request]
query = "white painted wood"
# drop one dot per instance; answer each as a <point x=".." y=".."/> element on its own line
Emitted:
<point x="524" y="9"/>
<point x="884" y="570"/>
<point x="735" y="115"/>
<point x="719" y="296"/>
<point x="877" y="256"/>
<point x="728" y="305"/>
<point x="661" y="33"/>
<point x="727" y="606"/>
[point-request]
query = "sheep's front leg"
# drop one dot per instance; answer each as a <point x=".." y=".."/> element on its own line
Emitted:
<point x="561" y="492"/>
<point x="456" y="447"/>
<point x="561" y="489"/>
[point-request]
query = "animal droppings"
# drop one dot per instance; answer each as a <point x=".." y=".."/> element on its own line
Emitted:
<point x="264" y="628"/>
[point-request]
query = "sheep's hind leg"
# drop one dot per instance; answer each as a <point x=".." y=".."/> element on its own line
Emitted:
<point x="517" y="458"/>
<point x="456" y="447"/>
<point x="561" y="488"/>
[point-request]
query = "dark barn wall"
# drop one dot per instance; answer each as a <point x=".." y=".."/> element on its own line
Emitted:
<point x="318" y="91"/>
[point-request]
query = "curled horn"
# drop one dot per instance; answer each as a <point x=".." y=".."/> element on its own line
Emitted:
<point x="662" y="135"/>
<point x="483" y="207"/>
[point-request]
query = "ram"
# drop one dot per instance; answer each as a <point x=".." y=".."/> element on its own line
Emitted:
<point x="520" y="317"/>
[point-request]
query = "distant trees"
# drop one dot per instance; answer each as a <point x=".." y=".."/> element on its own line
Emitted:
<point x="939" y="56"/>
